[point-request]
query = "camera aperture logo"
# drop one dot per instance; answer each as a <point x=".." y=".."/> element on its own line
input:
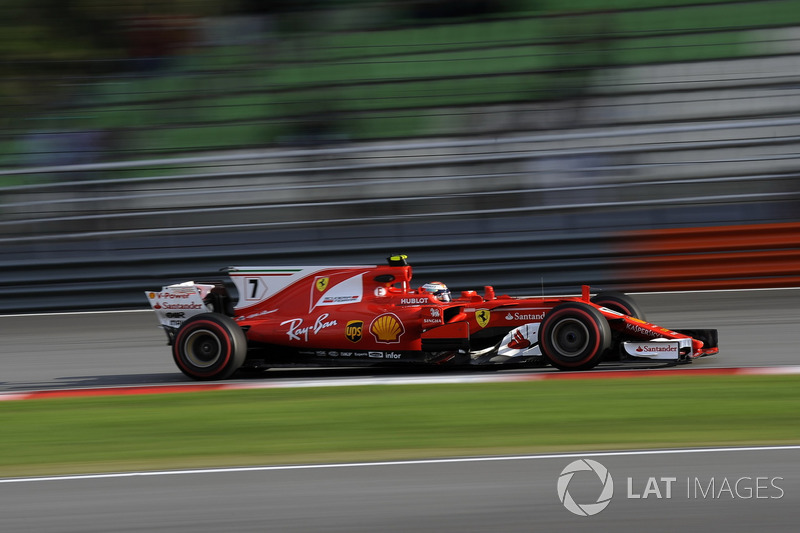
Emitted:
<point x="605" y="480"/>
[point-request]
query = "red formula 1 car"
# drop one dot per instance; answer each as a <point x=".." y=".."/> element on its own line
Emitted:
<point x="368" y="315"/>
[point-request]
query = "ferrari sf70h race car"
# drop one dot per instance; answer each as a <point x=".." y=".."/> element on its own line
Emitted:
<point x="369" y="315"/>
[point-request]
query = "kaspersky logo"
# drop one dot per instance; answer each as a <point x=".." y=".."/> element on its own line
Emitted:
<point x="604" y="482"/>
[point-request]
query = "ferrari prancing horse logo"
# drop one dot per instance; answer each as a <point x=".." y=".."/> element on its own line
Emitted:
<point x="482" y="317"/>
<point x="322" y="284"/>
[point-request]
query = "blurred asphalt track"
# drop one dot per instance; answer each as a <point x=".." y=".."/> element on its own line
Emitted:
<point x="54" y="351"/>
<point x="509" y="494"/>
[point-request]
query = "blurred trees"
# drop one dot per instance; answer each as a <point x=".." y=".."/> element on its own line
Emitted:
<point x="51" y="46"/>
<point x="43" y="39"/>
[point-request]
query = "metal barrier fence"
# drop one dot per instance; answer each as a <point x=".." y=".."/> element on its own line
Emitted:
<point x="526" y="214"/>
<point x="748" y="161"/>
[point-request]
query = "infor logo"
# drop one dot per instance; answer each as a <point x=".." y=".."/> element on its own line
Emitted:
<point x="606" y="492"/>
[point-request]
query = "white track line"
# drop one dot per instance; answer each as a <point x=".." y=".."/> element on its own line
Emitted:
<point x="451" y="460"/>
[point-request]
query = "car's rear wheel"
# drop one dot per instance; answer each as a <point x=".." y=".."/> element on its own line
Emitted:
<point x="574" y="336"/>
<point x="209" y="346"/>
<point x="619" y="302"/>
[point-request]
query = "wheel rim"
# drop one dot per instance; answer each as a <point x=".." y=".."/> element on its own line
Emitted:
<point x="570" y="338"/>
<point x="202" y="348"/>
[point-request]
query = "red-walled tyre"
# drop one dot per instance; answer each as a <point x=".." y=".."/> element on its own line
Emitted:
<point x="209" y="346"/>
<point x="574" y="336"/>
<point x="619" y="302"/>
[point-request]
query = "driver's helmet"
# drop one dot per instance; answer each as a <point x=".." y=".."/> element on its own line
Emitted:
<point x="439" y="290"/>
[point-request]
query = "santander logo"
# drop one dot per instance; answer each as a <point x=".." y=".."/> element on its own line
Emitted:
<point x="519" y="342"/>
<point x="651" y="348"/>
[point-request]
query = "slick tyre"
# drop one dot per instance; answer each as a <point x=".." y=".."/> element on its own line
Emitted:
<point x="574" y="336"/>
<point x="619" y="302"/>
<point x="209" y="346"/>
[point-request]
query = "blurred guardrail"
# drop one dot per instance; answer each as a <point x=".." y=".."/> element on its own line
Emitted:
<point x="619" y="168"/>
<point x="529" y="214"/>
<point x="716" y="257"/>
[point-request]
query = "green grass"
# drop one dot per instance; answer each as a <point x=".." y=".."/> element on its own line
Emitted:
<point x="392" y="422"/>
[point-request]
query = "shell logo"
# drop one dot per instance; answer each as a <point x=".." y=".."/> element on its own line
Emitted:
<point x="387" y="328"/>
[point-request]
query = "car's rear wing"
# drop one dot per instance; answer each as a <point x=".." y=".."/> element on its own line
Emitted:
<point x="173" y="304"/>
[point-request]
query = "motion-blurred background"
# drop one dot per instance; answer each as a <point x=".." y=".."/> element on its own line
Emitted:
<point x="531" y="144"/>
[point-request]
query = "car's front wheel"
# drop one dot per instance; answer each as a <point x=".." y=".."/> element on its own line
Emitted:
<point x="574" y="336"/>
<point x="209" y="346"/>
<point x="619" y="302"/>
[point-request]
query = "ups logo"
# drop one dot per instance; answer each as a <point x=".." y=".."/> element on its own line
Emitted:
<point x="353" y="330"/>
